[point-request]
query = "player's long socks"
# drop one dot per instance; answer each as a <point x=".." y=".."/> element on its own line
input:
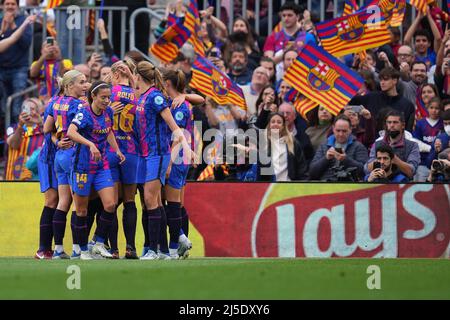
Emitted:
<point x="185" y="221"/>
<point x="145" y="227"/>
<point x="173" y="210"/>
<point x="59" y="227"/>
<point x="163" y="245"/>
<point x="46" y="229"/>
<point x="82" y="232"/>
<point x="113" y="232"/>
<point x="94" y="207"/>
<point x="104" y="226"/>
<point x="154" y="227"/>
<point x="129" y="220"/>
<point x="75" y="241"/>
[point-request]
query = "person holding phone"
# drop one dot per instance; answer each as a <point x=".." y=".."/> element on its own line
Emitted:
<point x="383" y="169"/>
<point x="46" y="70"/>
<point x="363" y="124"/>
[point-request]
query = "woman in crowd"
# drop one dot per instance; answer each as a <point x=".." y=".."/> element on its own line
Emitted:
<point x="320" y="122"/>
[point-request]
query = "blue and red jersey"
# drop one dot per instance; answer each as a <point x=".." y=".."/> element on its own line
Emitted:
<point x="124" y="122"/>
<point x="427" y="133"/>
<point x="48" y="151"/>
<point x="95" y="128"/>
<point x="152" y="130"/>
<point x="63" y="110"/>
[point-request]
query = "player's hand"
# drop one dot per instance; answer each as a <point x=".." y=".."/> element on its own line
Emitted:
<point x="96" y="155"/>
<point x="121" y="157"/>
<point x="178" y="101"/>
<point x="65" y="143"/>
<point x="117" y="107"/>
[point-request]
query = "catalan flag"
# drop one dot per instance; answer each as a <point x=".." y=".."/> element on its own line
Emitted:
<point x="398" y="13"/>
<point x="303" y="105"/>
<point x="323" y="78"/>
<point x="213" y="83"/>
<point x="420" y="4"/>
<point x="421" y="109"/>
<point x="353" y="33"/>
<point x="54" y="3"/>
<point x="192" y="22"/>
<point x="167" y="46"/>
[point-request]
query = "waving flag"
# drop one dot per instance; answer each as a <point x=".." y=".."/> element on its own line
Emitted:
<point x="353" y="33"/>
<point x="350" y="6"/>
<point x="398" y="13"/>
<point x="323" y="79"/>
<point x="303" y="105"/>
<point x="54" y="3"/>
<point x="420" y="4"/>
<point x="168" y="45"/>
<point x="212" y="82"/>
<point x="192" y="22"/>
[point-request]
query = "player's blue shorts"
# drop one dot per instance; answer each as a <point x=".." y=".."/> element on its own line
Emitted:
<point x="125" y="172"/>
<point x="63" y="165"/>
<point x="47" y="176"/>
<point x="156" y="167"/>
<point x="142" y="170"/>
<point x="178" y="175"/>
<point x="82" y="182"/>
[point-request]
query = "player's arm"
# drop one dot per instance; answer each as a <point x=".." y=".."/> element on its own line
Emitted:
<point x="49" y="125"/>
<point x="75" y="136"/>
<point x="113" y="143"/>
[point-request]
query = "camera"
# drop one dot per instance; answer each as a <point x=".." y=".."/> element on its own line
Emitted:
<point x="438" y="166"/>
<point x="344" y="174"/>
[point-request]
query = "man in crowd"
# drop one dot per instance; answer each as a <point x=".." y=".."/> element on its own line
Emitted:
<point x="383" y="169"/>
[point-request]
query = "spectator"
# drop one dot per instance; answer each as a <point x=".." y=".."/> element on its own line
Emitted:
<point x="109" y="52"/>
<point x="289" y="56"/>
<point x="38" y="26"/>
<point x="259" y="80"/>
<point x="84" y="69"/>
<point x="266" y="100"/>
<point x="369" y="84"/>
<point x="405" y="58"/>
<point x="242" y="35"/>
<point x="6" y="43"/>
<point x="407" y="156"/>
<point x="320" y="126"/>
<point x="424" y="96"/>
<point x="363" y="132"/>
<point x="426" y="131"/>
<point x="341" y="158"/>
<point x="290" y="34"/>
<point x="238" y="65"/>
<point x="287" y="162"/>
<point x="94" y="63"/>
<point x="425" y="49"/>
<point x="46" y="70"/>
<point x="223" y="117"/>
<point x="385" y="170"/>
<point x="24" y="139"/>
<point x="105" y="72"/>
<point x="378" y="102"/>
<point x="270" y="66"/>
<point x="442" y="141"/>
<point x="418" y="78"/>
<point x="212" y="30"/>
<point x="14" y="61"/>
<point x="282" y="89"/>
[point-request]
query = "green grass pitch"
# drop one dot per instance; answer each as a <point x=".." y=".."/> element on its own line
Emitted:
<point x="226" y="278"/>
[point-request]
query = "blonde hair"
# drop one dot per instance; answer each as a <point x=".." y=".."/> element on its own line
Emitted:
<point x="69" y="78"/>
<point x="126" y="68"/>
<point x="151" y="75"/>
<point x="284" y="132"/>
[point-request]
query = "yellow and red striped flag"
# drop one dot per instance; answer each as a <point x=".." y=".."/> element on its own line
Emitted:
<point x="350" y="7"/>
<point x="323" y="79"/>
<point x="54" y="3"/>
<point x="167" y="46"/>
<point x="353" y="33"/>
<point x="303" y="105"/>
<point x="192" y="23"/>
<point x="420" y="4"/>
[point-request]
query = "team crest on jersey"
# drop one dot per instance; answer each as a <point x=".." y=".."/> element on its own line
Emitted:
<point x="179" y="115"/>
<point x="219" y="83"/>
<point x="158" y="100"/>
<point x="350" y="29"/>
<point x="322" y="77"/>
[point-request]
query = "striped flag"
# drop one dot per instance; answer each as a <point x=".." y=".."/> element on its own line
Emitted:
<point x="54" y="3"/>
<point x="323" y="78"/>
<point x="419" y="4"/>
<point x="213" y="83"/>
<point x="192" y="22"/>
<point x="303" y="105"/>
<point x="421" y="109"/>
<point x="291" y="95"/>
<point x="350" y="6"/>
<point x="167" y="46"/>
<point x="353" y="33"/>
<point x="448" y="5"/>
<point x="398" y="13"/>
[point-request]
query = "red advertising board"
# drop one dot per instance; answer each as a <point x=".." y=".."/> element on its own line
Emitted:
<point x="321" y="220"/>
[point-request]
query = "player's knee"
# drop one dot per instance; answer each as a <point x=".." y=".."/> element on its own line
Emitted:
<point x="110" y="206"/>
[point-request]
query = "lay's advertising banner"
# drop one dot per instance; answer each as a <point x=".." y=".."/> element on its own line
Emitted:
<point x="321" y="220"/>
<point x="274" y="220"/>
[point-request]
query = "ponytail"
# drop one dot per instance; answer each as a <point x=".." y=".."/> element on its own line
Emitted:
<point x="151" y="75"/>
<point x="176" y="78"/>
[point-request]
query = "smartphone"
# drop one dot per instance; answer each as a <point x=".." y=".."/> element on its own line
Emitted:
<point x="50" y="41"/>
<point x="356" y="109"/>
<point x="339" y="150"/>
<point x="26" y="108"/>
<point x="376" y="165"/>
